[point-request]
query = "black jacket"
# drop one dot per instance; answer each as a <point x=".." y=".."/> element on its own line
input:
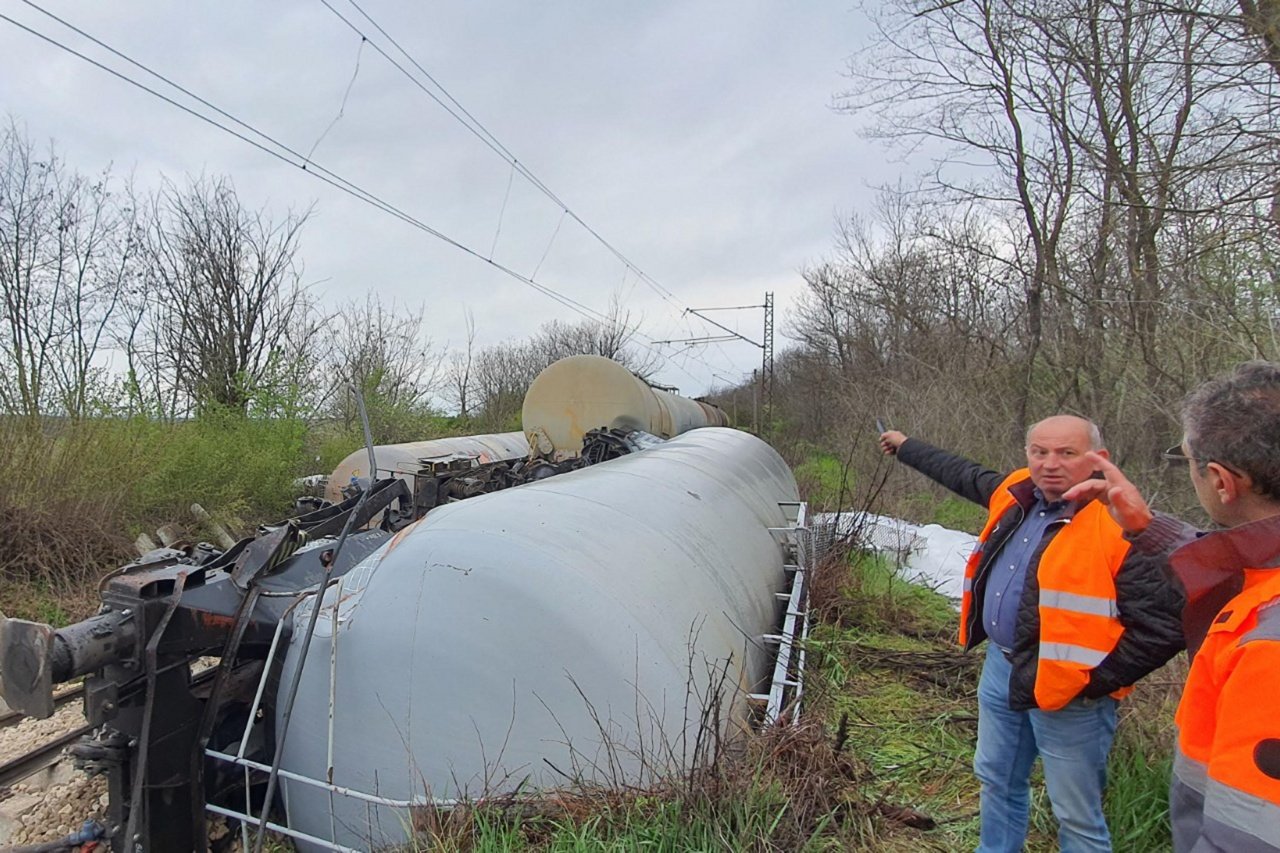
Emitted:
<point x="1149" y="600"/>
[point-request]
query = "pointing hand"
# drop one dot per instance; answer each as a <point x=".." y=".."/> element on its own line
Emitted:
<point x="890" y="441"/>
<point x="1121" y="497"/>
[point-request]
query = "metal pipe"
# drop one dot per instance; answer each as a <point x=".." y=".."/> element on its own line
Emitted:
<point x="317" y="783"/>
<point x="92" y="644"/>
<point x="275" y="827"/>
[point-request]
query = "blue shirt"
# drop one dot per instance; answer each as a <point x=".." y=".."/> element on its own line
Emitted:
<point x="1007" y="574"/>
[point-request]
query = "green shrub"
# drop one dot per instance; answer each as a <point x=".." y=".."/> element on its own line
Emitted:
<point x="824" y="481"/>
<point x="74" y="494"/>
<point x="224" y="461"/>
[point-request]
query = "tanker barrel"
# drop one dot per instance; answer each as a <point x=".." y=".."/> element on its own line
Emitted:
<point x="586" y="392"/>
<point x="34" y="656"/>
<point x="402" y="460"/>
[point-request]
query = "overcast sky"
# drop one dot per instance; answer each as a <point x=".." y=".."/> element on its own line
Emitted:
<point x="696" y="137"/>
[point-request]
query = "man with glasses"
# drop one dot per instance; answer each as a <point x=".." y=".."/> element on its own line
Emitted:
<point x="1225" y="792"/>
<point x="1073" y="617"/>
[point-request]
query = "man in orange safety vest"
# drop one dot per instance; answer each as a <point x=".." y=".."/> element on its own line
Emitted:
<point x="1073" y="616"/>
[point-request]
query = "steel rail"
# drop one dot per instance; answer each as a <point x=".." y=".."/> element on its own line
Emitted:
<point x="39" y="758"/>
<point x="46" y="754"/>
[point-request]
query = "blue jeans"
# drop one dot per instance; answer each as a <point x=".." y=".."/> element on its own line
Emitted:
<point x="1073" y="744"/>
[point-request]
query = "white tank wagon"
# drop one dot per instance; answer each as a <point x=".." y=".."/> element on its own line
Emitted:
<point x="585" y="392"/>
<point x="402" y="460"/>
<point x="502" y="640"/>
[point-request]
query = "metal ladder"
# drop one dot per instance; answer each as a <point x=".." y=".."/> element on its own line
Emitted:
<point x="786" y="686"/>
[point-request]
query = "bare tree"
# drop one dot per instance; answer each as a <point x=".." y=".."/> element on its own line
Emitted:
<point x="228" y="322"/>
<point x="382" y="352"/>
<point x="500" y="375"/>
<point x="1115" y="141"/>
<point x="612" y="336"/>
<point x="460" y="367"/>
<point x="1261" y="19"/>
<point x="67" y="253"/>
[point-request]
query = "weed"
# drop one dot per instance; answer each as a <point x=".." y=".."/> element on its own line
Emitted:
<point x="73" y="494"/>
<point x="824" y="481"/>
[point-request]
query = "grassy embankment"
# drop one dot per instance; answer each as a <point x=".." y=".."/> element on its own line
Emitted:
<point x="75" y="495"/>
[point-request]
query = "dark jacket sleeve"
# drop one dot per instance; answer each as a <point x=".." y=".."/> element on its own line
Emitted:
<point x="1164" y="535"/>
<point x="1150" y="603"/>
<point x="966" y="478"/>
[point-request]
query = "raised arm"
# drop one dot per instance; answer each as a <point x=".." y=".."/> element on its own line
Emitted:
<point x="965" y="477"/>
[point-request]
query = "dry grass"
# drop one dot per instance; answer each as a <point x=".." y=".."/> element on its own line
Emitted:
<point x="74" y="494"/>
<point x="60" y="525"/>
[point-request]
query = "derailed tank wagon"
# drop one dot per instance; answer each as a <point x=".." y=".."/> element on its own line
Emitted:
<point x="454" y="630"/>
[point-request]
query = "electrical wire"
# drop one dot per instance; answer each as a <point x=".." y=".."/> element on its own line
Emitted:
<point x="492" y="142"/>
<point x="294" y="157"/>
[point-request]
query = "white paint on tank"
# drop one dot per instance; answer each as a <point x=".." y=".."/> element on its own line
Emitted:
<point x="505" y="640"/>
<point x="402" y="459"/>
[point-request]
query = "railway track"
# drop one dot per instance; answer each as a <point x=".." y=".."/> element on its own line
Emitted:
<point x="47" y="753"/>
<point x="35" y="760"/>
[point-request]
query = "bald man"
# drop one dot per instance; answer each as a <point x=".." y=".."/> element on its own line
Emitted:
<point x="1073" y="617"/>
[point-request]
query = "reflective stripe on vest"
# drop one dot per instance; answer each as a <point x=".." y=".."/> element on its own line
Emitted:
<point x="1079" y="616"/>
<point x="1094" y="605"/>
<point x="1072" y="654"/>
<point x="1190" y="772"/>
<point x="1268" y="627"/>
<point x="1226" y="722"/>
<point x="1241" y="811"/>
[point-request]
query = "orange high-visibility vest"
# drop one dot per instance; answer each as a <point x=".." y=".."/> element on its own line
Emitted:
<point x="1228" y="726"/>
<point x="1076" y="572"/>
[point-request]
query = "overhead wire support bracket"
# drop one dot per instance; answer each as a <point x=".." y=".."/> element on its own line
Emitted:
<point x="707" y="339"/>
<point x="765" y="346"/>
<point x="697" y="312"/>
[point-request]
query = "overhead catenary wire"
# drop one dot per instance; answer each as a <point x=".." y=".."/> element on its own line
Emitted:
<point x="280" y="151"/>
<point x="298" y="160"/>
<point x="476" y="127"/>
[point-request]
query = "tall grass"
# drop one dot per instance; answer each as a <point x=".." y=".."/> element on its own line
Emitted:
<point x="782" y="790"/>
<point x="74" y="494"/>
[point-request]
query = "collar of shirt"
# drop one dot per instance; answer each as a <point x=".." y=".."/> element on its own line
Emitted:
<point x="1052" y="506"/>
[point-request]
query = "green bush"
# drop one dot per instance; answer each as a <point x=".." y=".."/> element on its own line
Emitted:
<point x="223" y="460"/>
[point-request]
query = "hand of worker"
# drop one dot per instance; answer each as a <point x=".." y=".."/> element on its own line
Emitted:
<point x="1121" y="497"/>
<point x="890" y="441"/>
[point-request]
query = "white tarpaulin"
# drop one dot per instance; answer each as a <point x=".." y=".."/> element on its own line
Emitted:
<point x="932" y="555"/>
